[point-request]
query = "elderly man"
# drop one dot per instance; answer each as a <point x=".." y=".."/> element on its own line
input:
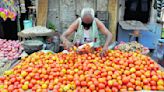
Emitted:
<point x="87" y="29"/>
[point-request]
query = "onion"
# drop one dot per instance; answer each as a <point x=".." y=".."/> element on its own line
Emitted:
<point x="10" y="49"/>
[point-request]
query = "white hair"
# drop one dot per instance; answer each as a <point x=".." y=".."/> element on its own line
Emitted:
<point x="87" y="11"/>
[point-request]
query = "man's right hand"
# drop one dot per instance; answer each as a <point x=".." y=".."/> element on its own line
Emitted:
<point x="68" y="45"/>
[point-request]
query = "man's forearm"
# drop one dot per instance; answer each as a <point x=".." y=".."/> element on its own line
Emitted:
<point x="108" y="40"/>
<point x="64" y="39"/>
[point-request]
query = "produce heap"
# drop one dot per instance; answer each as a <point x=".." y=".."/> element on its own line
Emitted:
<point x="36" y="30"/>
<point x="132" y="46"/>
<point x="117" y="71"/>
<point x="10" y="49"/>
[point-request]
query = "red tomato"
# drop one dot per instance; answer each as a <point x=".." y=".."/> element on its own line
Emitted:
<point x="77" y="83"/>
<point x="114" y="89"/>
<point x="92" y="87"/>
<point x="83" y="83"/>
<point x="11" y="87"/>
<point x="30" y="86"/>
<point x="101" y="86"/>
<point x="125" y="80"/>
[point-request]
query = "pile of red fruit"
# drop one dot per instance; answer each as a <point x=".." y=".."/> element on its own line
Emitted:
<point x="116" y="72"/>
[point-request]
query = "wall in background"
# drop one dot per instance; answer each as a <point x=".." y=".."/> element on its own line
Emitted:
<point x="63" y="12"/>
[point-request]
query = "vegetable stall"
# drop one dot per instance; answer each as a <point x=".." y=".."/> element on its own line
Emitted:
<point x="117" y="71"/>
<point x="34" y="64"/>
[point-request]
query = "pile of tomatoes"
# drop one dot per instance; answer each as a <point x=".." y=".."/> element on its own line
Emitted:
<point x="116" y="72"/>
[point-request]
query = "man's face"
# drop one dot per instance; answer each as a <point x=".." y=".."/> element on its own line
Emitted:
<point x="87" y="19"/>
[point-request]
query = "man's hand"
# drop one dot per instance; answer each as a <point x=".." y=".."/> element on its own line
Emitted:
<point x="68" y="45"/>
<point x="103" y="52"/>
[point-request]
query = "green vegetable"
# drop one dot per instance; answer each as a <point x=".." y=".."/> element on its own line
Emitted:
<point x="50" y="25"/>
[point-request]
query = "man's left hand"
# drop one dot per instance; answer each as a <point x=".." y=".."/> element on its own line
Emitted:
<point x="103" y="52"/>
